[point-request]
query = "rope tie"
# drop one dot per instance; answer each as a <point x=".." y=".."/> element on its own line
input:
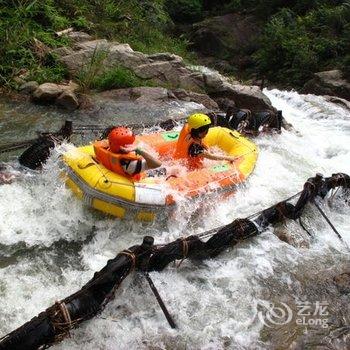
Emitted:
<point x="241" y="226"/>
<point x="132" y="256"/>
<point x="184" y="251"/>
<point x="65" y="313"/>
<point x="63" y="324"/>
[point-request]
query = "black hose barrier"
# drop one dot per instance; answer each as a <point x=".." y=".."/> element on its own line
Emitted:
<point x="37" y="154"/>
<point x="54" y="323"/>
<point x="248" y="122"/>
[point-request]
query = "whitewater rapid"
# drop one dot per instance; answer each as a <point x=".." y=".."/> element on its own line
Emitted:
<point x="51" y="244"/>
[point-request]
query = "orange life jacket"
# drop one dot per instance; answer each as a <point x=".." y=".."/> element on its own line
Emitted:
<point x="182" y="149"/>
<point x="112" y="160"/>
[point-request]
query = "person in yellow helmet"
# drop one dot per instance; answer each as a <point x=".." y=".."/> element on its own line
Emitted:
<point x="190" y="145"/>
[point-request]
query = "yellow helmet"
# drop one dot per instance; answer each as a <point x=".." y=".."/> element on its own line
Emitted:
<point x="198" y="120"/>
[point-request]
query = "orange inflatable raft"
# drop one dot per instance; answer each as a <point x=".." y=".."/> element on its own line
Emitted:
<point x="144" y="199"/>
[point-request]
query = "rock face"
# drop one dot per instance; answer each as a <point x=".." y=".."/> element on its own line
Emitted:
<point x="328" y="83"/>
<point x="164" y="69"/>
<point x="176" y="80"/>
<point x="157" y="94"/>
<point x="231" y="35"/>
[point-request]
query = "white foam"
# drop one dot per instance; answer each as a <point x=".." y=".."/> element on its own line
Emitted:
<point x="215" y="302"/>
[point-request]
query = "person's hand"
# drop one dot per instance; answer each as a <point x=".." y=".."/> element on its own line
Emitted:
<point x="128" y="148"/>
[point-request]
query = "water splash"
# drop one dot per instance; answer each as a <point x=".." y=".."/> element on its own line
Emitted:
<point x="53" y="244"/>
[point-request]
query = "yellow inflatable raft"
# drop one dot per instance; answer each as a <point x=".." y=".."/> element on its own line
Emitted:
<point x="143" y="200"/>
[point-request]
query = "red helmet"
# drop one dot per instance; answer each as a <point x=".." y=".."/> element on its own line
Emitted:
<point x="120" y="136"/>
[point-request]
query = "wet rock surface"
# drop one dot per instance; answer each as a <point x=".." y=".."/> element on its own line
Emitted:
<point x="328" y="83"/>
<point x="232" y="35"/>
<point x="164" y="69"/>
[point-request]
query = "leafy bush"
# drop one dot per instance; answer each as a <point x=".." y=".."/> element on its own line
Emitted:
<point x="184" y="10"/>
<point x="117" y="78"/>
<point x="293" y="47"/>
<point x="142" y="24"/>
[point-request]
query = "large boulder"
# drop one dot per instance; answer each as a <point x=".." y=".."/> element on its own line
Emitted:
<point x="47" y="93"/>
<point x="190" y="96"/>
<point x="244" y="96"/>
<point x="151" y="95"/>
<point x="331" y="83"/>
<point x="172" y="73"/>
<point x="62" y="95"/>
<point x="165" y="69"/>
<point x="139" y="94"/>
<point x="232" y="36"/>
<point x="100" y="55"/>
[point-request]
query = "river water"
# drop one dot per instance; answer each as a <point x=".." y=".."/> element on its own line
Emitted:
<point x="51" y="244"/>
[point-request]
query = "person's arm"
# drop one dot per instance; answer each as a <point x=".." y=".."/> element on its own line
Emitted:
<point x="197" y="150"/>
<point x="151" y="161"/>
<point x="208" y="155"/>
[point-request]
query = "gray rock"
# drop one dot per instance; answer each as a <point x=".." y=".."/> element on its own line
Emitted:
<point x="166" y="70"/>
<point x="328" y="83"/>
<point x="189" y="96"/>
<point x="68" y="100"/>
<point x="144" y="94"/>
<point x="250" y="97"/>
<point x="47" y="93"/>
<point x="63" y="51"/>
<point x="79" y="36"/>
<point x="140" y="94"/>
<point x="123" y="55"/>
<point x="28" y="87"/>
<point x="168" y="73"/>
<point x="213" y="81"/>
<point x="339" y="101"/>
<point x="106" y="55"/>
<point x="165" y="56"/>
<point x="98" y="44"/>
<point x="231" y="35"/>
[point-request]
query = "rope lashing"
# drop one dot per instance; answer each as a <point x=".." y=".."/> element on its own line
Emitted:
<point x="184" y="251"/>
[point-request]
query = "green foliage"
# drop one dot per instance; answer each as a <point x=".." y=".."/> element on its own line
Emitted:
<point x="294" y="46"/>
<point x="95" y="75"/>
<point x="142" y="24"/>
<point x="87" y="76"/>
<point x="298" y="37"/>
<point x="185" y="10"/>
<point x="116" y="78"/>
<point x="20" y="23"/>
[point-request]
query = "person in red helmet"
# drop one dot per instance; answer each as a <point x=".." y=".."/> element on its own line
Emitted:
<point x="122" y="157"/>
